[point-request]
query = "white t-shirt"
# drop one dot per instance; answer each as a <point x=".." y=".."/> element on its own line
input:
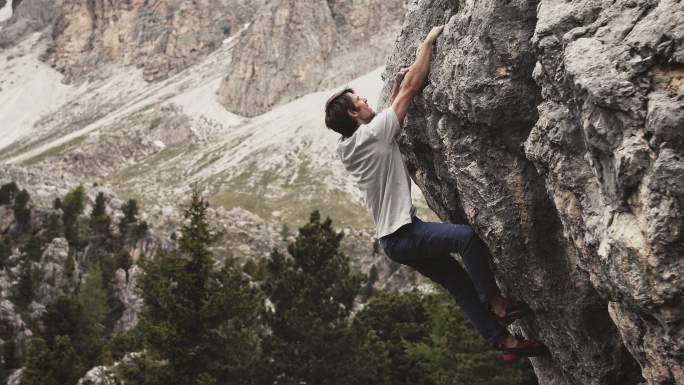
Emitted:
<point x="372" y="157"/>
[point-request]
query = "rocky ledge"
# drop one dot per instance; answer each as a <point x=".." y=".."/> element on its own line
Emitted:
<point x="555" y="130"/>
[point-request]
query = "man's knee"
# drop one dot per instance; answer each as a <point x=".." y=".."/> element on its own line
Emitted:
<point x="468" y="232"/>
<point x="467" y="237"/>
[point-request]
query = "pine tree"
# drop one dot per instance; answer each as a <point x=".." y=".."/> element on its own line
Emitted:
<point x="69" y="269"/>
<point x="39" y="365"/>
<point x="123" y="260"/>
<point x="64" y="348"/>
<point x="65" y="316"/>
<point x="200" y="321"/>
<point x="108" y="267"/>
<point x="33" y="248"/>
<point x="368" y="289"/>
<point x="129" y="219"/>
<point x="455" y="354"/>
<point x="125" y="342"/>
<point x="94" y="298"/>
<point x="284" y="232"/>
<point x="22" y="210"/>
<point x="312" y="291"/>
<point x="141" y="231"/>
<point x="54" y="229"/>
<point x="9" y="355"/>
<point x="5" y="251"/>
<point x="72" y="207"/>
<point x="23" y="292"/>
<point x="7" y="193"/>
<point x="397" y="320"/>
<point x="99" y="220"/>
<point x="67" y="365"/>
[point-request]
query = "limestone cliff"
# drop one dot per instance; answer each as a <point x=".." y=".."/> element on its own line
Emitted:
<point x="555" y="129"/>
<point x="162" y="37"/>
<point x="295" y="47"/>
<point x="28" y="16"/>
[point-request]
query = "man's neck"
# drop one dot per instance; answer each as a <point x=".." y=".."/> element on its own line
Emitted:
<point x="359" y="122"/>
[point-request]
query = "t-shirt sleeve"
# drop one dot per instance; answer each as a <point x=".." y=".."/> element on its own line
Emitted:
<point x="387" y="125"/>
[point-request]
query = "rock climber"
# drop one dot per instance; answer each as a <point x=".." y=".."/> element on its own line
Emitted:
<point x="370" y="153"/>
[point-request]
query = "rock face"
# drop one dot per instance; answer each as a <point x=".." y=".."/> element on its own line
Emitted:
<point x="126" y="290"/>
<point x="15" y="377"/>
<point x="555" y="130"/>
<point x="296" y="47"/>
<point x="163" y="37"/>
<point x="28" y="16"/>
<point x="57" y="280"/>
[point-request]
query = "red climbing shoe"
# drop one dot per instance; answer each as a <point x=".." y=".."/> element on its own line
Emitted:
<point x="522" y="348"/>
<point x="513" y="310"/>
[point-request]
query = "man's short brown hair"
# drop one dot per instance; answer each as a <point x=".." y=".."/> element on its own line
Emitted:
<point x="336" y="116"/>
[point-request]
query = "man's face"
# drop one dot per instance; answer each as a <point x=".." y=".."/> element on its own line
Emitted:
<point x="363" y="113"/>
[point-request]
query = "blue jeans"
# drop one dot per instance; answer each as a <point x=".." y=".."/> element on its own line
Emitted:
<point x="427" y="247"/>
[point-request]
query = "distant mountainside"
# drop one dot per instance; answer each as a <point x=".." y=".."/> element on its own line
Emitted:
<point x="294" y="47"/>
<point x="152" y="140"/>
<point x="162" y="37"/>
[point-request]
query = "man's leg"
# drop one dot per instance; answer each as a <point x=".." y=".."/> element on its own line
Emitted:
<point x="427" y="247"/>
<point x="447" y="272"/>
<point x="448" y="238"/>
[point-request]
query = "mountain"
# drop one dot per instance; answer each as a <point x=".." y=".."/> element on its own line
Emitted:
<point x="279" y="164"/>
<point x="295" y="47"/>
<point x="110" y="125"/>
<point x="162" y="37"/>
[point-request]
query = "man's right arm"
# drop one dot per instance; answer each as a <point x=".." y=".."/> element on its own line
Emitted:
<point x="414" y="81"/>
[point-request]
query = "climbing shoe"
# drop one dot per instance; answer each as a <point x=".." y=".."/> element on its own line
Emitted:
<point x="514" y="310"/>
<point x="522" y="348"/>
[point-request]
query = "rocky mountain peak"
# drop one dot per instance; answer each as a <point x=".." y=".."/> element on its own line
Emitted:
<point x="27" y="16"/>
<point x="295" y="47"/>
<point x="162" y="37"/>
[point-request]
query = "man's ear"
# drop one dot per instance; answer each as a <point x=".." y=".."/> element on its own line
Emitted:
<point x="353" y="114"/>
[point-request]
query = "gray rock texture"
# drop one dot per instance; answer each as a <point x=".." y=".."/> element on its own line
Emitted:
<point x="28" y="16"/>
<point x="126" y="291"/>
<point x="295" y="47"/>
<point x="100" y="375"/>
<point x="162" y="37"/>
<point x="15" y="377"/>
<point x="555" y="130"/>
<point x="56" y="280"/>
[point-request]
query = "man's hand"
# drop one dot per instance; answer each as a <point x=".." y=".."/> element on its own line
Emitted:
<point x="434" y="34"/>
<point x="398" y="78"/>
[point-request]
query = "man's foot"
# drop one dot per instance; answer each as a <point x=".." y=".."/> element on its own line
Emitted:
<point x="514" y="348"/>
<point x="508" y="310"/>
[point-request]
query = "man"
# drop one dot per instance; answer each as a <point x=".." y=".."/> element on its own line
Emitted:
<point x="369" y="151"/>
